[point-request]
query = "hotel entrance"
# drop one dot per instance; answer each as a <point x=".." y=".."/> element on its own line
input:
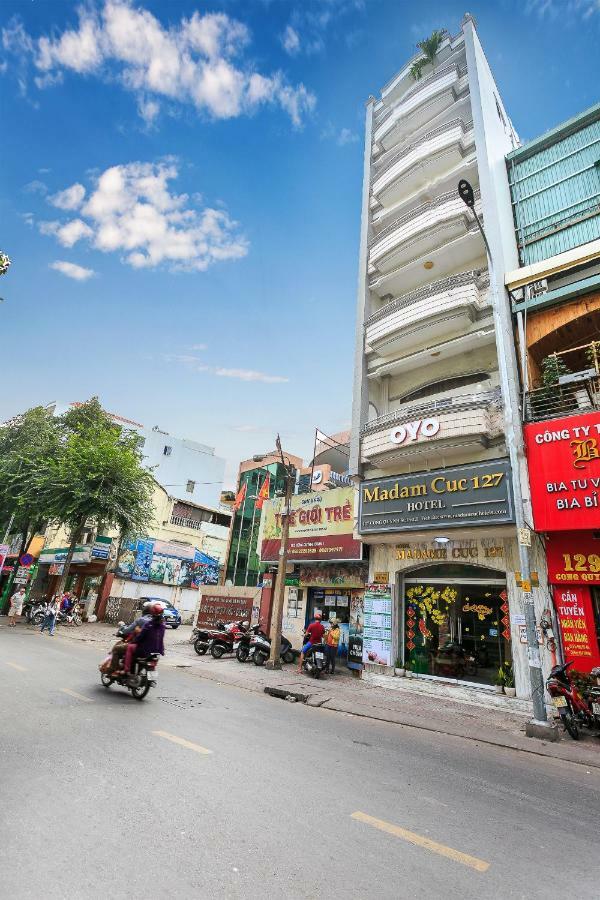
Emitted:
<point x="455" y="622"/>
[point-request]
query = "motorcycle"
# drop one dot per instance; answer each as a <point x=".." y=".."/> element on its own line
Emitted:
<point x="242" y="646"/>
<point x="315" y="660"/>
<point x="139" y="681"/>
<point x="223" y="641"/>
<point x="573" y="708"/>
<point x="260" y="649"/>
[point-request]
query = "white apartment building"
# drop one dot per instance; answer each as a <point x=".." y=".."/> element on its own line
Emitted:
<point x="187" y="469"/>
<point x="428" y="446"/>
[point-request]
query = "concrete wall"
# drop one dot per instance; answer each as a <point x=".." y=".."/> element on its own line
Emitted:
<point x="184" y="599"/>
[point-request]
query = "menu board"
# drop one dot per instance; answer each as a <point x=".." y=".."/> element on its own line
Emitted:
<point x="377" y="634"/>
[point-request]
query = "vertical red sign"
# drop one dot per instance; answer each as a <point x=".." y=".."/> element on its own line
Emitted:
<point x="576" y="617"/>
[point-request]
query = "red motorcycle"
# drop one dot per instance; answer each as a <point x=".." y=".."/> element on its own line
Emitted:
<point x="226" y="641"/>
<point x="573" y="708"/>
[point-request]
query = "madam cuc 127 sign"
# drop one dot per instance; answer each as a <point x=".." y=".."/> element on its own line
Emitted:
<point x="564" y="472"/>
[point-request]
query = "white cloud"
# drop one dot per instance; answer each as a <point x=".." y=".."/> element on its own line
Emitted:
<point x="199" y="346"/>
<point x="290" y="40"/>
<point x="197" y="61"/>
<point x="70" y="198"/>
<point x="342" y="137"/>
<point x="250" y="375"/>
<point x="36" y="187"/>
<point x="72" y="270"/>
<point x="567" y="10"/>
<point x="131" y="210"/>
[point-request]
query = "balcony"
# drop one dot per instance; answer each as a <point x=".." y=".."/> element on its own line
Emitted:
<point x="418" y="164"/>
<point x="427" y="99"/>
<point x="186" y="523"/>
<point x="442" y="427"/>
<point x="444" y="308"/>
<point x="419" y="231"/>
<point x="580" y="395"/>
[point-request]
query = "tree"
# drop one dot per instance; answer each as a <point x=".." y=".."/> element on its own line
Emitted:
<point x="96" y="477"/>
<point x="429" y="48"/>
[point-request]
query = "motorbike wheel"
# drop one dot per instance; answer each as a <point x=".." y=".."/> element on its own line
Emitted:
<point x="241" y="654"/>
<point x="140" y="692"/>
<point x="106" y="680"/>
<point x="200" y="648"/>
<point x="571" y="725"/>
<point x="259" y="658"/>
<point x="77" y="620"/>
<point x="288" y="656"/>
<point x="175" y="626"/>
<point x="217" y="651"/>
<point x="38" y="618"/>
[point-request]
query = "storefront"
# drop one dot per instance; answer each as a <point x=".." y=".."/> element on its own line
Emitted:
<point x="444" y="543"/>
<point x="564" y="474"/>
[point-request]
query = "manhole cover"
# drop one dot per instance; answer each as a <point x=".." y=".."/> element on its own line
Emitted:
<point x="182" y="704"/>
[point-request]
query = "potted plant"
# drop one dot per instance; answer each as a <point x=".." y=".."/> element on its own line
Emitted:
<point x="408" y="668"/>
<point x="429" y="49"/>
<point x="399" y="668"/>
<point x="509" y="681"/>
<point x="499" y="680"/>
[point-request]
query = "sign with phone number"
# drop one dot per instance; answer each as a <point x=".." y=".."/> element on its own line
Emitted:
<point x="573" y="558"/>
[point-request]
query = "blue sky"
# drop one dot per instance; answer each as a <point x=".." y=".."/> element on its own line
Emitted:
<point x="181" y="191"/>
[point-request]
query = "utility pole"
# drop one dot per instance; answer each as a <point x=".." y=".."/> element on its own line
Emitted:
<point x="512" y="418"/>
<point x="274" y="661"/>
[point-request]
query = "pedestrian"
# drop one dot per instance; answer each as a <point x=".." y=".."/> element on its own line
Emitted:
<point x="332" y="641"/>
<point x="50" y="614"/>
<point x="16" y="606"/>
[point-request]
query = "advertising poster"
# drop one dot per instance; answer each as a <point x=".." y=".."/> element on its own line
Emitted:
<point x="223" y="608"/>
<point x="377" y="634"/>
<point x="573" y="557"/>
<point x="343" y="576"/>
<point x="576" y="619"/>
<point x="157" y="568"/>
<point x="143" y="558"/>
<point x="355" y="631"/>
<point x="321" y="527"/>
<point x="564" y="472"/>
<point x="3" y="554"/>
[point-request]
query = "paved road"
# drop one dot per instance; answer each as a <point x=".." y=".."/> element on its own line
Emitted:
<point x="103" y="796"/>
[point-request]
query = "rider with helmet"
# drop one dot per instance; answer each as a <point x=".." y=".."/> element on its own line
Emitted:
<point x="127" y="634"/>
<point x="150" y="639"/>
<point x="314" y="635"/>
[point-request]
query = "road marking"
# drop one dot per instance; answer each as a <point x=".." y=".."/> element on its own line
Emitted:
<point x="15" y="666"/>
<point x="181" y="741"/>
<point x="471" y="861"/>
<point x="76" y="695"/>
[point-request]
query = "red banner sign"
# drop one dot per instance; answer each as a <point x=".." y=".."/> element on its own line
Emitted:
<point x="215" y="609"/>
<point x="577" y="626"/>
<point x="564" y="472"/>
<point x="573" y="557"/>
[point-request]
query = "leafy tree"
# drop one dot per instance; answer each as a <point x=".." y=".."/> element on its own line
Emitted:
<point x="429" y="48"/>
<point x="96" y="476"/>
<point x="553" y="367"/>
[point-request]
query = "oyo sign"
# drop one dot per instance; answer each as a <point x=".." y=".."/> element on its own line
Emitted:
<point x="422" y="428"/>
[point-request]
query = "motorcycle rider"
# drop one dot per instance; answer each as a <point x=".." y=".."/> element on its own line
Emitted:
<point x="313" y="635"/>
<point x="150" y="639"/>
<point x="127" y="634"/>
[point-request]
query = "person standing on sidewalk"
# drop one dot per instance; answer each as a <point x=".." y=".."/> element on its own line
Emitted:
<point x="332" y="641"/>
<point x="50" y="614"/>
<point x="16" y="606"/>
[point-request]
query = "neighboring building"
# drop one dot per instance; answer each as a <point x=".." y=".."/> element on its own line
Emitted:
<point x="244" y="568"/>
<point x="186" y="468"/>
<point x="428" y="444"/>
<point x="555" y="189"/>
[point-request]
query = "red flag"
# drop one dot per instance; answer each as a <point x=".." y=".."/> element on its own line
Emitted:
<point x="263" y="494"/>
<point x="241" y="496"/>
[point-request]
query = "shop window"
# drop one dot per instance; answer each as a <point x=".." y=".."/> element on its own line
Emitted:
<point x="447" y="384"/>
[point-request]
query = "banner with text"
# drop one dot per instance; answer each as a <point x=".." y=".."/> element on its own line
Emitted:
<point x="576" y="619"/>
<point x="377" y="633"/>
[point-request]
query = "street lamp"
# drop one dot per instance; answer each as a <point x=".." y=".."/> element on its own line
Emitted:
<point x="274" y="661"/>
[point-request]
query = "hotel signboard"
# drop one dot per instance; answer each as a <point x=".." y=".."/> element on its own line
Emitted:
<point x="463" y="496"/>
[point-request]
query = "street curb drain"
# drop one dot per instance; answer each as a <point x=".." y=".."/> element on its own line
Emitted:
<point x="282" y="694"/>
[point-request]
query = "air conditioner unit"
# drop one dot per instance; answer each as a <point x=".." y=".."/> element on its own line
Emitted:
<point x="537" y="288"/>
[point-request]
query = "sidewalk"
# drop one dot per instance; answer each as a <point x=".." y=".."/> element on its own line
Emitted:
<point x="433" y="706"/>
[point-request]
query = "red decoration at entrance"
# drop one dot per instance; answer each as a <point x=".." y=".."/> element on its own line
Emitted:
<point x="506" y="634"/>
<point x="576" y="618"/>
<point x="504" y="620"/>
<point x="410" y="634"/>
<point x="503" y="596"/>
<point x="504" y="607"/>
<point x="410" y="645"/>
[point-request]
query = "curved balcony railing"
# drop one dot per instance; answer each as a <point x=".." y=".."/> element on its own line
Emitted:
<point x="421" y="85"/>
<point x="458" y="403"/>
<point x="385" y="164"/>
<point x="478" y="277"/>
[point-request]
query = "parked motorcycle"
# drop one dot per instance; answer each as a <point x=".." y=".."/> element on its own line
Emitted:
<point x="573" y="708"/>
<point x="139" y="681"/>
<point x="260" y="649"/>
<point x="315" y="660"/>
<point x="223" y="641"/>
<point x="242" y="645"/>
<point x="201" y="637"/>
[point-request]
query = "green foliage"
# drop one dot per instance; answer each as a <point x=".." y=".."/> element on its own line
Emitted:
<point x="592" y="355"/>
<point x="429" y="48"/>
<point x="553" y="367"/>
<point x="509" y="675"/>
<point x="499" y="679"/>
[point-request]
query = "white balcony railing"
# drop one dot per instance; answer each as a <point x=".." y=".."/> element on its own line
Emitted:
<point x="186" y="523"/>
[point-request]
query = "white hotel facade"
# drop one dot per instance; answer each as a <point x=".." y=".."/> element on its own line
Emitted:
<point x="427" y="393"/>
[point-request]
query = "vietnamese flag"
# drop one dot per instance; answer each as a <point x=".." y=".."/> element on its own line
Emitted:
<point x="263" y="494"/>
<point x="241" y="496"/>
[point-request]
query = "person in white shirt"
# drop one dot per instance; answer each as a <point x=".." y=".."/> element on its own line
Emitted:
<point x="16" y="606"/>
<point x="50" y="614"/>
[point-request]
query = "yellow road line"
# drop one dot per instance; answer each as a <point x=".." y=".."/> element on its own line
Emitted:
<point x="471" y="861"/>
<point x="76" y="695"/>
<point x="181" y="741"/>
<point x="15" y="666"/>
